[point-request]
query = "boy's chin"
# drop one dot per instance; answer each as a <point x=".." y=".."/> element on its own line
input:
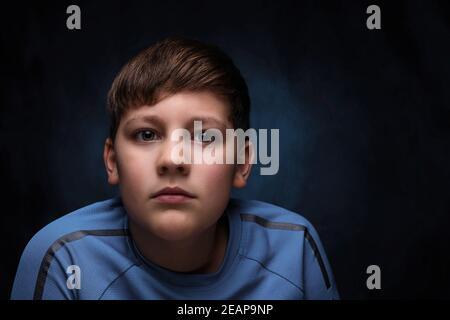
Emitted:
<point x="174" y="226"/>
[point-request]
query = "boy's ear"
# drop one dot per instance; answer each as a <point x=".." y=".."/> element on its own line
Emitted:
<point x="109" y="157"/>
<point x="242" y="171"/>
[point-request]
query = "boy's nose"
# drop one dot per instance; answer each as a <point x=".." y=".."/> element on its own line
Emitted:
<point x="165" y="164"/>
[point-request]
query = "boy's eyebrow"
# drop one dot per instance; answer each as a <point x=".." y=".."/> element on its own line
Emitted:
<point x="211" y="120"/>
<point x="158" y="121"/>
<point x="148" y="118"/>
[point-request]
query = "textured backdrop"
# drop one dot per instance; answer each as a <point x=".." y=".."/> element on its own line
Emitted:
<point x="364" y="119"/>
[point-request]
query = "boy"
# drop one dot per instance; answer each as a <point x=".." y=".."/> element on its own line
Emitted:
<point x="174" y="232"/>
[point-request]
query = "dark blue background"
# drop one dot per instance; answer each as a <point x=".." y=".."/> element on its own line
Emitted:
<point x="364" y="120"/>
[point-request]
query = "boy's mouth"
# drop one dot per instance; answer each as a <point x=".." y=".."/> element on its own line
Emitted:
<point x="172" y="195"/>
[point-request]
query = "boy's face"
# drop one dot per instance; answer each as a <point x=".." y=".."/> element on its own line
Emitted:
<point x="140" y="161"/>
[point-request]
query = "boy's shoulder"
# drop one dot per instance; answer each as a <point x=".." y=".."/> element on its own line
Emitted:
<point x="285" y="244"/>
<point x="269" y="214"/>
<point x="92" y="235"/>
<point x="98" y="218"/>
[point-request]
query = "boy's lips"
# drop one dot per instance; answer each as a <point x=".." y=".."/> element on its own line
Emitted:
<point x="172" y="195"/>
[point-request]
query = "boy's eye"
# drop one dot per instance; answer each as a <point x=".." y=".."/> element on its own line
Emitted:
<point x="203" y="136"/>
<point x="146" y="135"/>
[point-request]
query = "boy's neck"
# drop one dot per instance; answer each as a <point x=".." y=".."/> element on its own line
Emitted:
<point x="204" y="254"/>
<point x="219" y="249"/>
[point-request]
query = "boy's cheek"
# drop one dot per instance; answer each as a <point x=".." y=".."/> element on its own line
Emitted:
<point x="136" y="178"/>
<point x="213" y="177"/>
<point x="135" y="163"/>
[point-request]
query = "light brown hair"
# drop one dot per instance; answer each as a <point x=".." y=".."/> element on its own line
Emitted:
<point x="173" y="65"/>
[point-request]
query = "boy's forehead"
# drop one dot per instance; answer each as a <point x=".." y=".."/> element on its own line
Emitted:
<point x="183" y="107"/>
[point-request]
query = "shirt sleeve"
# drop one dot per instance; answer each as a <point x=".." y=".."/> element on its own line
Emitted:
<point x="41" y="273"/>
<point x="318" y="279"/>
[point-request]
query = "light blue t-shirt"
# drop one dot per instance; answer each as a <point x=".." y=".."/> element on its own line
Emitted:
<point x="272" y="253"/>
